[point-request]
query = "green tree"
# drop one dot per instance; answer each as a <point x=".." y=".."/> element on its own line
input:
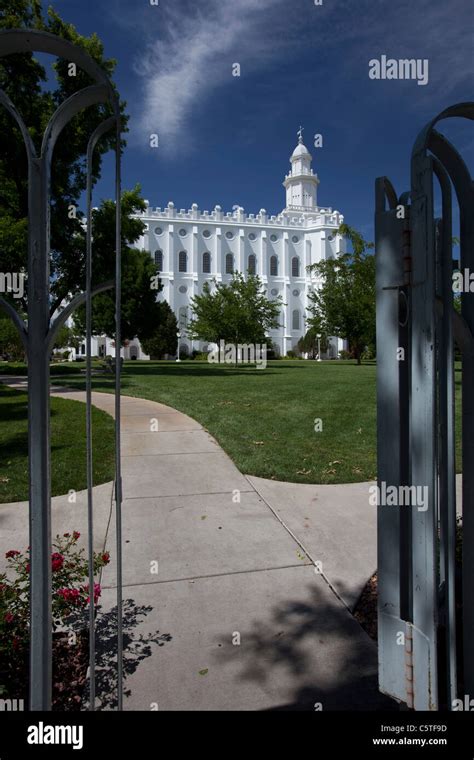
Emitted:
<point x="11" y="345"/>
<point x="309" y="343"/>
<point x="69" y="337"/>
<point x="36" y="96"/>
<point x="164" y="339"/>
<point x="344" y="305"/>
<point x="140" y="281"/>
<point x="237" y="312"/>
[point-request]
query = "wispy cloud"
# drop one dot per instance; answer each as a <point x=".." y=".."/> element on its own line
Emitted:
<point x="194" y="55"/>
<point x="187" y="51"/>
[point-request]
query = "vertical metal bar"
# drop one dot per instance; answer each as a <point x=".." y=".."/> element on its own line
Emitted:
<point x="404" y="337"/>
<point x="422" y="436"/>
<point x="89" y="454"/>
<point x="447" y="441"/>
<point x="467" y="310"/>
<point x="95" y="137"/>
<point x="390" y="549"/>
<point x="39" y="437"/>
<point x="118" y="464"/>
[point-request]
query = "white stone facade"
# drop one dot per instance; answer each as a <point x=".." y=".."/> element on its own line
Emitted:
<point x="193" y="246"/>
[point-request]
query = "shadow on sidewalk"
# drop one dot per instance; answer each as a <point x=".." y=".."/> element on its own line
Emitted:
<point x="137" y="648"/>
<point x="319" y="650"/>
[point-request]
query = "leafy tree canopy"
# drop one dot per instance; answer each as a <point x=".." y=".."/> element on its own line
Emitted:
<point x="11" y="346"/>
<point x="140" y="282"/>
<point x="344" y="304"/>
<point x="164" y="340"/>
<point x="237" y="312"/>
<point x="37" y="94"/>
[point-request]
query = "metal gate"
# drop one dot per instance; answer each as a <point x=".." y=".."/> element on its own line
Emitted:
<point x="38" y="337"/>
<point x="417" y="325"/>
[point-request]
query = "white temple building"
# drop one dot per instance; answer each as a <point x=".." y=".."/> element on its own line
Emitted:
<point x="192" y="247"/>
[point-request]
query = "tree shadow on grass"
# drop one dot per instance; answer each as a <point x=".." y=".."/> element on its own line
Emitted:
<point x="316" y="649"/>
<point x="137" y="648"/>
<point x="15" y="446"/>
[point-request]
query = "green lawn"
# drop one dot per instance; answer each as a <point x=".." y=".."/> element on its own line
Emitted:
<point x="68" y="443"/>
<point x="264" y="419"/>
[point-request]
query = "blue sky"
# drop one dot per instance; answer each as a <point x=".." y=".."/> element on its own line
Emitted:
<point x="227" y="140"/>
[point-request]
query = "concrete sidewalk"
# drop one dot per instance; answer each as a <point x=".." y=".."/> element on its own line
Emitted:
<point x="237" y="590"/>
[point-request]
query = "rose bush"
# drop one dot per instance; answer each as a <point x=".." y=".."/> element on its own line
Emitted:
<point x="70" y="569"/>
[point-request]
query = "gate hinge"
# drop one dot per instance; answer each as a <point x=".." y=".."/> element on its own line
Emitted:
<point x="410" y="698"/>
<point x="406" y="252"/>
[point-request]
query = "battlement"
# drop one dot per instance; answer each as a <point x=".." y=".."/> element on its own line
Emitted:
<point x="289" y="218"/>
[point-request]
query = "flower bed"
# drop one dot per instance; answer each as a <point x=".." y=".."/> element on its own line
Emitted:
<point x="70" y="600"/>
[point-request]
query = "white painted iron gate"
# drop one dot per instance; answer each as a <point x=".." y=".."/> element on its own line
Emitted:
<point x="420" y="654"/>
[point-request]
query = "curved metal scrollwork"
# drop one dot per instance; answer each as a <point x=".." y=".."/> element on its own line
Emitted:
<point x="38" y="336"/>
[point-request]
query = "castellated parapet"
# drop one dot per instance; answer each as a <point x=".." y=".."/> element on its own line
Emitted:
<point x="318" y="216"/>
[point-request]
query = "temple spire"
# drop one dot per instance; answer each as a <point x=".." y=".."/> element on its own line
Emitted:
<point x="301" y="183"/>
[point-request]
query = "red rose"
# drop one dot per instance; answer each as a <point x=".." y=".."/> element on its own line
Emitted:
<point x="66" y="535"/>
<point x="106" y="558"/>
<point x="97" y="592"/>
<point x="57" y="561"/>
<point x="12" y="553"/>
<point x="9" y="617"/>
<point x="70" y="595"/>
<point x="76" y="535"/>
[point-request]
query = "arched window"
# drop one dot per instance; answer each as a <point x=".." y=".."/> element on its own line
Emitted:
<point x="296" y="320"/>
<point x="159" y="260"/>
<point x="183" y="261"/>
<point x="183" y="318"/>
<point x="229" y="263"/>
<point x="295" y="266"/>
<point x="273" y="266"/>
<point x="206" y="263"/>
<point x="252" y="264"/>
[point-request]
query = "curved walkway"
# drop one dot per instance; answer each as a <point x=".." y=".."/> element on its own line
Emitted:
<point x="252" y="579"/>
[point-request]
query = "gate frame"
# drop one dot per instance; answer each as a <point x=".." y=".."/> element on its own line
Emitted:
<point x="414" y="280"/>
<point x="38" y="338"/>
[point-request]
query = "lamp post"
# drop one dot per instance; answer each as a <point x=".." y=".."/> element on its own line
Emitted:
<point x="178" y="335"/>
<point x="319" y="347"/>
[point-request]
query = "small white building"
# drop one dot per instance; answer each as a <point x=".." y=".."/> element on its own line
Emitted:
<point x="102" y="346"/>
<point x="193" y="247"/>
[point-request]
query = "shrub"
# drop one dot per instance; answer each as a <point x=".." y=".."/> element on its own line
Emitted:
<point x="368" y="354"/>
<point x="70" y="589"/>
<point x="345" y="355"/>
<point x="273" y="352"/>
